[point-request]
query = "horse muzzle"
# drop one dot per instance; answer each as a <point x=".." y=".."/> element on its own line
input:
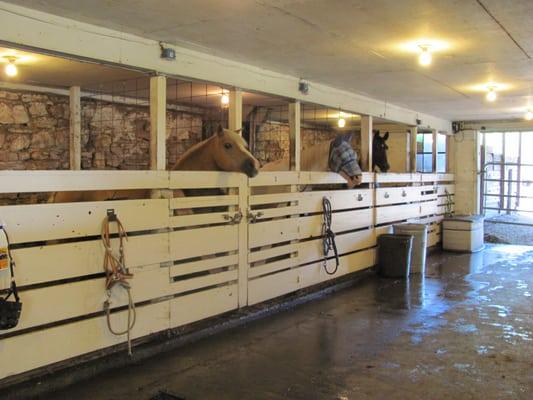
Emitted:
<point x="250" y="168"/>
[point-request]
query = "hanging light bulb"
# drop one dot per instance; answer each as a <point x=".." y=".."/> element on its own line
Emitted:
<point x="224" y="99"/>
<point x="11" y="68"/>
<point x="529" y="115"/>
<point x="424" y="58"/>
<point x="491" y="94"/>
<point x="341" y="122"/>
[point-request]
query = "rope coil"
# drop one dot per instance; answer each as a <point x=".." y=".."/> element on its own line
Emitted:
<point x="328" y="236"/>
<point x="117" y="274"/>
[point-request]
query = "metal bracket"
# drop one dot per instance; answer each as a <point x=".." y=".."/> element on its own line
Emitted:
<point x="111" y="216"/>
<point x="235" y="219"/>
<point x="252" y="218"/>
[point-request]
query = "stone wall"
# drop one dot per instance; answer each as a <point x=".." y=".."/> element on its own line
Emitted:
<point x="117" y="136"/>
<point x="34" y="133"/>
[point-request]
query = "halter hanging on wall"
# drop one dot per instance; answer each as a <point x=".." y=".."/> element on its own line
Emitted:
<point x="117" y="274"/>
<point x="328" y="237"/>
<point x="9" y="310"/>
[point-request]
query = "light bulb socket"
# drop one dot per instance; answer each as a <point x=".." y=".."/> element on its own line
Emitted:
<point x="11" y="68"/>
<point x="491" y="94"/>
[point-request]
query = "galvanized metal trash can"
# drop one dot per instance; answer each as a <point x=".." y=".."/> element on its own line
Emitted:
<point x="463" y="233"/>
<point x="420" y="238"/>
<point x="394" y="255"/>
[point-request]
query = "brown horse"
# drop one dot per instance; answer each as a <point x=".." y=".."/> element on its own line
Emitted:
<point x="224" y="151"/>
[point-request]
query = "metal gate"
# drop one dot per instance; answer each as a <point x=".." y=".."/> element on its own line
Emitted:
<point x="507" y="174"/>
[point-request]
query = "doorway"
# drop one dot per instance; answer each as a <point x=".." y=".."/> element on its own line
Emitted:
<point x="507" y="186"/>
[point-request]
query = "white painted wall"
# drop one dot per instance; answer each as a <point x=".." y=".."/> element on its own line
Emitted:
<point x="466" y="146"/>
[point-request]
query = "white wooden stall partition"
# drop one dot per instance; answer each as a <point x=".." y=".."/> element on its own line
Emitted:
<point x="231" y="242"/>
<point x="291" y="221"/>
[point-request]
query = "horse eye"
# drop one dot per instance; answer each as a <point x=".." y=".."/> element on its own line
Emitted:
<point x="227" y="145"/>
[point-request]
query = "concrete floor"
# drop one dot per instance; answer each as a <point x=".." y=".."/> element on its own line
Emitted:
<point x="465" y="332"/>
<point x="498" y="231"/>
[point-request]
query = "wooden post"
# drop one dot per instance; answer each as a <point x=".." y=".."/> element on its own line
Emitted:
<point x="413" y="131"/>
<point x="235" y="110"/>
<point x="434" y="135"/>
<point x="158" y="122"/>
<point x="75" y="128"/>
<point x="294" y="136"/>
<point x="244" y="195"/>
<point x="366" y="143"/>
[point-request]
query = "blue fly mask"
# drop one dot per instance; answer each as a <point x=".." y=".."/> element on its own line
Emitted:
<point x="342" y="157"/>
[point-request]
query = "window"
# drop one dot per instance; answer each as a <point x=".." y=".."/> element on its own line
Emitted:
<point x="424" y="152"/>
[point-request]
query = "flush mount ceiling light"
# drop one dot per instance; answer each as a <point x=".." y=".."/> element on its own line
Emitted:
<point x="11" y="69"/>
<point x="341" y="122"/>
<point x="424" y="48"/>
<point x="424" y="58"/>
<point x="224" y="99"/>
<point x="491" y="89"/>
<point x="491" y="94"/>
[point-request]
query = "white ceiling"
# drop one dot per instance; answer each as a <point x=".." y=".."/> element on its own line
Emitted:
<point x="349" y="44"/>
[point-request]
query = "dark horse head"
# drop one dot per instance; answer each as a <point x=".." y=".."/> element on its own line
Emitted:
<point x="379" y="152"/>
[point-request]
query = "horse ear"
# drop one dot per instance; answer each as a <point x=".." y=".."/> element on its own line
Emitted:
<point x="386" y="136"/>
<point x="347" y="137"/>
<point x="238" y="131"/>
<point x="376" y="132"/>
<point x="220" y="130"/>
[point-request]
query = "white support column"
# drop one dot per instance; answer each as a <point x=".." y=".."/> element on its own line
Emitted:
<point x="366" y="143"/>
<point x="413" y="131"/>
<point x="158" y="122"/>
<point x="450" y="153"/>
<point x="75" y="128"/>
<point x="295" y="136"/>
<point x="235" y="109"/>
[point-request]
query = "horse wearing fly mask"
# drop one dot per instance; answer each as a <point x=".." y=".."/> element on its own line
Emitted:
<point x="337" y="156"/>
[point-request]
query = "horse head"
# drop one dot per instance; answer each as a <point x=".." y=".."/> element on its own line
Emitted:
<point x="343" y="160"/>
<point x="379" y="152"/>
<point x="230" y="153"/>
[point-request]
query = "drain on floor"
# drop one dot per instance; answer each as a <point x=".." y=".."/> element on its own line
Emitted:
<point x="162" y="395"/>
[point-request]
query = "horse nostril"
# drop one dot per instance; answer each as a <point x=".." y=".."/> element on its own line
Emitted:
<point x="249" y="168"/>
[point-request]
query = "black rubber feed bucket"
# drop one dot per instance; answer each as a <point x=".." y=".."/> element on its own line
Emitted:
<point x="394" y="255"/>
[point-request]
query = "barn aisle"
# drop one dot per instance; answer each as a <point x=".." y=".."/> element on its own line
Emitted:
<point x="465" y="332"/>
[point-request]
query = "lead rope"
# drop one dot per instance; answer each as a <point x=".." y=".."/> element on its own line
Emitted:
<point x="328" y="236"/>
<point x="117" y="274"/>
<point x="448" y="202"/>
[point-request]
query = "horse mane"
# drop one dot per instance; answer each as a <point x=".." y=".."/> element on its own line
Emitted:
<point x="194" y="158"/>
